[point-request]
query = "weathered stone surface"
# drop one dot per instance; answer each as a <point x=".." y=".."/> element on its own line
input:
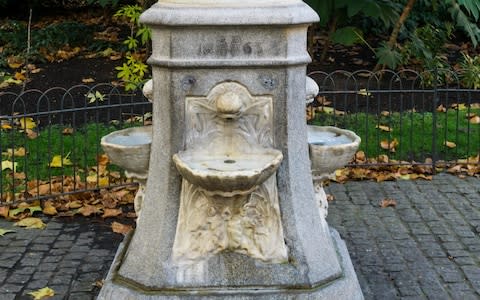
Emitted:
<point x="269" y="61"/>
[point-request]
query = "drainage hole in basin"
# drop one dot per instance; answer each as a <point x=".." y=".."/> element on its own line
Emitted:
<point x="229" y="161"/>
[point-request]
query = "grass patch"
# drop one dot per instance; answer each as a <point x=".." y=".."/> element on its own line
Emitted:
<point x="81" y="147"/>
<point x="414" y="132"/>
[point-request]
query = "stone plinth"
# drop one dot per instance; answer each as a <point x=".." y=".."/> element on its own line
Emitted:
<point x="198" y="46"/>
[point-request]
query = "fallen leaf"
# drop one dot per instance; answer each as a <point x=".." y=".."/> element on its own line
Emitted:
<point x="384" y="128"/>
<point x="322" y="100"/>
<point x="364" y="92"/>
<point x="385" y="113"/>
<point x="19" y="76"/>
<point x="116" y="56"/>
<point x="474" y="120"/>
<point x="27" y="123"/>
<point x="50" y="210"/>
<point x="31" y="223"/>
<point x="131" y="214"/>
<point x="91" y="55"/>
<point x="42" y="293"/>
<point x="20" y="152"/>
<point x="35" y="71"/>
<point x="74" y="204"/>
<point x="94" y="178"/>
<point x="455" y="169"/>
<point x="360" y="156"/>
<point x="89" y="210"/>
<point x="58" y="161"/>
<point x="330" y="197"/>
<point x="88" y="80"/>
<point x="6" y="164"/>
<point x="470" y="115"/>
<point x="5" y="231"/>
<point x="389" y="145"/>
<point x="121" y="228"/>
<point x="99" y="283"/>
<point x="441" y="108"/>
<point x="14" y="62"/>
<point x="388" y="203"/>
<point x="458" y="106"/>
<point x="111" y="212"/>
<point x="31" y="134"/>
<point x="6" y="126"/>
<point x="16" y="211"/>
<point x="67" y="131"/>
<point x="20" y="176"/>
<point x="450" y="145"/>
<point x="330" y="110"/>
<point x="4" y="211"/>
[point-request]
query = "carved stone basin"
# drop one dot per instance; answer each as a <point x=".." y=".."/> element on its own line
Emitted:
<point x="130" y="149"/>
<point x="331" y="148"/>
<point x="228" y="175"/>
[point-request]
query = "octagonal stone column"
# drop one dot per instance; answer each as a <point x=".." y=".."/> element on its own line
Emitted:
<point x="260" y="45"/>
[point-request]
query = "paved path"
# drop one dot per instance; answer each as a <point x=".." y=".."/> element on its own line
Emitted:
<point x="69" y="256"/>
<point x="427" y="247"/>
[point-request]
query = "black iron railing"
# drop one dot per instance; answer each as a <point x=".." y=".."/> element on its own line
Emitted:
<point x="50" y="141"/>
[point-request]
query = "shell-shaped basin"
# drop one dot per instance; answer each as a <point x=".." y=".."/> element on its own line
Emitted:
<point x="331" y="148"/>
<point x="228" y="174"/>
<point x="130" y="149"/>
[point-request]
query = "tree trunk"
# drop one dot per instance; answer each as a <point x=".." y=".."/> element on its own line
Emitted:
<point x="396" y="29"/>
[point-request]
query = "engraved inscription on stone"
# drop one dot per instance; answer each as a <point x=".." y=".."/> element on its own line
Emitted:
<point x="233" y="46"/>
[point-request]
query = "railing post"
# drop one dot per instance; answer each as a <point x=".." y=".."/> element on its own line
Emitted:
<point x="434" y="120"/>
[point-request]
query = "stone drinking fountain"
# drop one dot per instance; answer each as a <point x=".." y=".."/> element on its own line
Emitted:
<point x="229" y="210"/>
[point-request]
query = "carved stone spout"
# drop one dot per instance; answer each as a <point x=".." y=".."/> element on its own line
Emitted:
<point x="229" y="198"/>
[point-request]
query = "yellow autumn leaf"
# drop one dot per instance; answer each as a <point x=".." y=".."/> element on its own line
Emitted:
<point x="31" y="223"/>
<point x="364" y="92"/>
<point x="6" y="126"/>
<point x="15" y="152"/>
<point x="450" y="144"/>
<point x="458" y="106"/>
<point x="27" y="123"/>
<point x="58" y="161"/>
<point x="15" y="62"/>
<point x="42" y="293"/>
<point x="384" y="128"/>
<point x="5" y="231"/>
<point x="16" y="211"/>
<point x="19" y="76"/>
<point x="102" y="180"/>
<point x="6" y="164"/>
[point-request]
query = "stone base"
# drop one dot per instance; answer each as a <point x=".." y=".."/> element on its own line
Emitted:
<point x="344" y="287"/>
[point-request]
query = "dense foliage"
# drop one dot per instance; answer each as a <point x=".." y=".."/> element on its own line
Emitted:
<point x="418" y="29"/>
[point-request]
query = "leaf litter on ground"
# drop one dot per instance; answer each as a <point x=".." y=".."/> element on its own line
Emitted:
<point x="42" y="293"/>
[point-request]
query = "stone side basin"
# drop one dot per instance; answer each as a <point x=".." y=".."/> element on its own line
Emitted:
<point x="228" y="175"/>
<point x="130" y="149"/>
<point x="331" y="148"/>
